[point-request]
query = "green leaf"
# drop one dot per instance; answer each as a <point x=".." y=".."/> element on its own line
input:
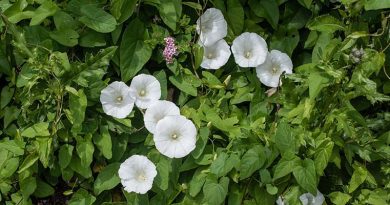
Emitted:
<point x="306" y="176"/>
<point x="12" y="146"/>
<point x="163" y="170"/>
<point x="65" y="155"/>
<point x="77" y="106"/>
<point x="122" y="9"/>
<point x="339" y="198"/>
<point x="252" y="161"/>
<point x="134" y="52"/>
<point x="183" y="85"/>
<point x="169" y="10"/>
<point x="235" y="16"/>
<point x="82" y="197"/>
<point x="325" y="23"/>
<point x="305" y="3"/>
<point x="43" y="189"/>
<point x="201" y="142"/>
<point x="214" y="192"/>
<point x="317" y="81"/>
<point x="107" y="179"/>
<point x="28" y="186"/>
<point x="284" y="139"/>
<point x="48" y="8"/>
<point x="97" y="19"/>
<point x="91" y="39"/>
<point x="358" y="177"/>
<point x="64" y="21"/>
<point x="376" y="4"/>
<point x="28" y="162"/>
<point x="80" y="168"/>
<point x="85" y="151"/>
<point x="197" y="182"/>
<point x="6" y="96"/>
<point x="267" y="9"/>
<point x="39" y="129"/>
<point x="322" y="156"/>
<point x="286" y="165"/>
<point x="224" y="164"/>
<point x="66" y="37"/>
<point x="11" y="165"/>
<point x="103" y="142"/>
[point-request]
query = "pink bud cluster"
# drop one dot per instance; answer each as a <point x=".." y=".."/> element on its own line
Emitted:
<point x="170" y="49"/>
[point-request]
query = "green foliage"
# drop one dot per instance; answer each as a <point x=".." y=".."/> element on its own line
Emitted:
<point x="326" y="127"/>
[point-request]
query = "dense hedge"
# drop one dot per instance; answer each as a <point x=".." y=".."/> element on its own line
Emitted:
<point x="326" y="127"/>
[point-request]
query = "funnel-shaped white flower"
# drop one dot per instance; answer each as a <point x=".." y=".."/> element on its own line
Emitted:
<point x="116" y="100"/>
<point x="137" y="174"/>
<point x="309" y="199"/>
<point x="276" y="63"/>
<point x="211" y="27"/>
<point x="145" y="89"/>
<point x="157" y="111"/>
<point x="216" y="55"/>
<point x="175" y="136"/>
<point x="249" y="50"/>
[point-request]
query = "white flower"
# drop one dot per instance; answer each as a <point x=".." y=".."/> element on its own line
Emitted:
<point x="249" y="50"/>
<point x="175" y="136"/>
<point x="137" y="174"/>
<point x="276" y="63"/>
<point x="211" y="27"/>
<point x="309" y="199"/>
<point x="116" y="100"/>
<point x="145" y="89"/>
<point x="280" y="201"/>
<point x="216" y="55"/>
<point x="157" y="111"/>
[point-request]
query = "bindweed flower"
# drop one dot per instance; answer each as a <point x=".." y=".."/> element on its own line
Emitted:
<point x="137" y="174"/>
<point x="175" y="136"/>
<point x="309" y="199"/>
<point x="211" y="27"/>
<point x="276" y="63"/>
<point x="249" y="50"/>
<point x="116" y="100"/>
<point x="216" y="55"/>
<point x="145" y="89"/>
<point x="157" y="111"/>
<point x="170" y="49"/>
<point x="280" y="201"/>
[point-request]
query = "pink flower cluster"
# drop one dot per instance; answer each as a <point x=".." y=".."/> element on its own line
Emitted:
<point x="170" y="49"/>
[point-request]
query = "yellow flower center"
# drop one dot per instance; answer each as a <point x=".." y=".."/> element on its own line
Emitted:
<point x="141" y="177"/>
<point x="210" y="56"/>
<point x="174" y="136"/>
<point x="274" y="70"/>
<point x="142" y="93"/>
<point x="119" y="99"/>
<point x="248" y="54"/>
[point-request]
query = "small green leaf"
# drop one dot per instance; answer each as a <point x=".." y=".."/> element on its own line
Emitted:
<point x="235" y="16"/>
<point x="28" y="186"/>
<point x="358" y="177"/>
<point x="122" y="9"/>
<point x="48" y="8"/>
<point x="66" y="37"/>
<point x="6" y="96"/>
<point x="107" y="179"/>
<point x="284" y="139"/>
<point x="97" y="19"/>
<point x="325" y="23"/>
<point x="252" y="160"/>
<point x="306" y="176"/>
<point x="28" y="162"/>
<point x="214" y="192"/>
<point x="103" y="141"/>
<point x="339" y="198"/>
<point x="85" y="151"/>
<point x="82" y="197"/>
<point x="65" y="155"/>
<point x="376" y="4"/>
<point x="43" y="189"/>
<point x="267" y="9"/>
<point x="39" y="129"/>
<point x="317" y="81"/>
<point x="286" y="165"/>
<point x="134" y="52"/>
